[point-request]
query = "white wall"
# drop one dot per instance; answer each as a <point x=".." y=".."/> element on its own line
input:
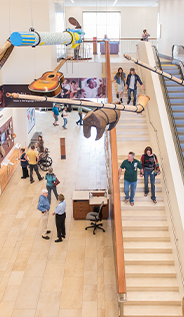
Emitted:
<point x="172" y="26"/>
<point x="25" y="63"/>
<point x="133" y="19"/>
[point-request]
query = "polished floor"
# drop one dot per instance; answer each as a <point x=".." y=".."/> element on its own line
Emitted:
<point x="39" y="278"/>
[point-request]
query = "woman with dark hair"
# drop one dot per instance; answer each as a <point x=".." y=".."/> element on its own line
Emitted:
<point x="131" y="85"/>
<point x="145" y="35"/>
<point x="39" y="145"/>
<point x="120" y="80"/>
<point x="150" y="168"/>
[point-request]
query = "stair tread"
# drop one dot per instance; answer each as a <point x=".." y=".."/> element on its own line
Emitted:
<point x="147" y="244"/>
<point x="152" y="311"/>
<point x="151" y="282"/>
<point x="150" y="269"/>
<point x="150" y="257"/>
<point x="145" y="235"/>
<point x="154" y="296"/>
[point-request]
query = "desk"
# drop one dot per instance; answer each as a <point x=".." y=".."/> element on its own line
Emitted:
<point x="82" y="203"/>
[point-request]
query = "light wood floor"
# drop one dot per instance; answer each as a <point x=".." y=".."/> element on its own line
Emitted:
<point x="75" y="278"/>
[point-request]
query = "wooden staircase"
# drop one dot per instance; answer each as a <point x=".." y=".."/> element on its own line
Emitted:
<point x="152" y="288"/>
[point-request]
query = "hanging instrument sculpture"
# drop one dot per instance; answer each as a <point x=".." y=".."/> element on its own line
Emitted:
<point x="33" y="39"/>
<point x="50" y="82"/>
<point x="104" y="114"/>
<point x="155" y="70"/>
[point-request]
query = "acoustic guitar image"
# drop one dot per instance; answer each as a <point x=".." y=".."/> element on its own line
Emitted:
<point x="50" y="83"/>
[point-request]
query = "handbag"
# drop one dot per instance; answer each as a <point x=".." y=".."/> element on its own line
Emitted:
<point x="56" y="182"/>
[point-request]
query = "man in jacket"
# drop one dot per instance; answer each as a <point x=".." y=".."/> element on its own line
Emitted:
<point x="130" y="176"/>
<point x="44" y="207"/>
<point x="131" y="84"/>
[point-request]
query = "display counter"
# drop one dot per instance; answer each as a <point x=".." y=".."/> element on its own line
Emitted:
<point x="84" y="200"/>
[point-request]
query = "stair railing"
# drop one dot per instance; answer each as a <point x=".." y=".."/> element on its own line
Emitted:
<point x="166" y="190"/>
<point x="170" y="115"/>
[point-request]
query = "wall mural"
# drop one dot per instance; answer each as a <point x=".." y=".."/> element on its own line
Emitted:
<point x="30" y="119"/>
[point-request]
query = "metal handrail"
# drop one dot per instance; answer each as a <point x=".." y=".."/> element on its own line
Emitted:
<point x="174" y="47"/>
<point x="167" y="192"/>
<point x="170" y="116"/>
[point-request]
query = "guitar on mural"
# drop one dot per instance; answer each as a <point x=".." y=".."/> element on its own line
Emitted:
<point x="50" y="82"/>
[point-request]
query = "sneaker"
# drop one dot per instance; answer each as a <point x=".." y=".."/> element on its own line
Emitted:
<point x="128" y="102"/>
<point x="155" y="202"/>
<point x="63" y="236"/>
<point x="54" y="124"/>
<point x="41" y="178"/>
<point x="46" y="237"/>
<point x="131" y="204"/>
<point x="32" y="181"/>
<point x="126" y="201"/>
<point x="48" y="231"/>
<point x="58" y="240"/>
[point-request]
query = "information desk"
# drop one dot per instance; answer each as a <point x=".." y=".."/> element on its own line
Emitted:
<point x="83" y="203"/>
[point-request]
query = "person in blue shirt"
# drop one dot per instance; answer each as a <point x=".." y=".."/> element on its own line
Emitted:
<point x="50" y="177"/>
<point x="120" y="80"/>
<point x="60" y="216"/>
<point x="131" y="84"/>
<point x="44" y="207"/>
<point x="55" y="114"/>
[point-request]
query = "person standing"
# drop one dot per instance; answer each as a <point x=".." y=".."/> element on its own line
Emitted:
<point x="55" y="114"/>
<point x="149" y="164"/>
<point x="44" y="207"/>
<point x="130" y="176"/>
<point x="50" y="177"/>
<point x="65" y="118"/>
<point x="40" y="145"/>
<point x="80" y="115"/>
<point x="145" y="35"/>
<point x="24" y="163"/>
<point x="33" y="163"/>
<point x="120" y="80"/>
<point x="60" y="216"/>
<point x="131" y="84"/>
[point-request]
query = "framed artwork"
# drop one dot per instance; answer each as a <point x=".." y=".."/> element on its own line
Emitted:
<point x="30" y="119"/>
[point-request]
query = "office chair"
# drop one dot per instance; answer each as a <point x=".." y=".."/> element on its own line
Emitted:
<point x="95" y="217"/>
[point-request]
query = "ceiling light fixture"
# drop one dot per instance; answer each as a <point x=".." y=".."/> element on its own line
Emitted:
<point x="115" y="3"/>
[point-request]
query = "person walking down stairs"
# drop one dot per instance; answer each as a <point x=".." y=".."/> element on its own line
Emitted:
<point x="130" y="176"/>
<point x="120" y="80"/>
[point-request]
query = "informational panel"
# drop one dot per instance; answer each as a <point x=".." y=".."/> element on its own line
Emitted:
<point x="30" y="119"/>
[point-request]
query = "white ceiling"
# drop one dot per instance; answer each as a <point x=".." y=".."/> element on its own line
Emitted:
<point x="106" y="3"/>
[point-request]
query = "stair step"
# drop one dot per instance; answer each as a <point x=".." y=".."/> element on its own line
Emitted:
<point x="175" y="100"/>
<point x="176" y="108"/>
<point x="177" y="88"/>
<point x="132" y="132"/>
<point x="153" y="298"/>
<point x="178" y="94"/>
<point x="177" y="76"/>
<point x="170" y="83"/>
<point x="140" y="180"/>
<point x="152" y="212"/>
<point x="152" y="311"/>
<point x="149" y="259"/>
<point x="159" y="236"/>
<point x="132" y="138"/>
<point x="144" y="226"/>
<point x="128" y="126"/>
<point x="140" y="187"/>
<point x="147" y="247"/>
<point x="152" y="284"/>
<point x="178" y="115"/>
<point x="150" y="271"/>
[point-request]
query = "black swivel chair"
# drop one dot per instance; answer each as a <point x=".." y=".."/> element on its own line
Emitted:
<point x="95" y="217"/>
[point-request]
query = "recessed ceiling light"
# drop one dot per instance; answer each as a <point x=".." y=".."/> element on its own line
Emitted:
<point x="115" y="2"/>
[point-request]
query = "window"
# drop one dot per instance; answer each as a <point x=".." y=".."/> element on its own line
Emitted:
<point x="100" y="23"/>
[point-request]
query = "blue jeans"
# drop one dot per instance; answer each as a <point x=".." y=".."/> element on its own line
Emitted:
<point x="134" y="93"/>
<point x="80" y="118"/>
<point x="65" y="122"/>
<point x="49" y="188"/>
<point x="133" y="186"/>
<point x="152" y="180"/>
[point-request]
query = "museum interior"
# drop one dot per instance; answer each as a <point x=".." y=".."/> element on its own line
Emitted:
<point x="66" y="55"/>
